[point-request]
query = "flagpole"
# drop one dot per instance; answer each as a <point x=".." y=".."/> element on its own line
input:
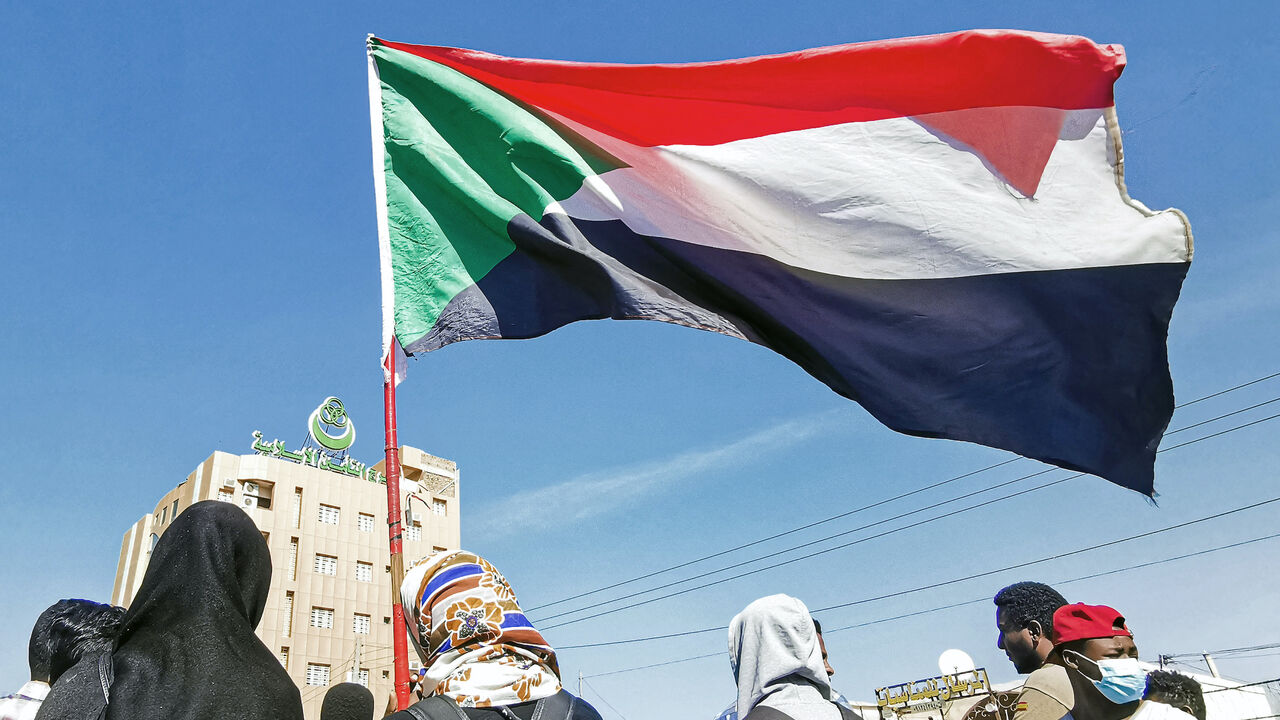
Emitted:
<point x="398" y="643"/>
<point x="389" y="357"/>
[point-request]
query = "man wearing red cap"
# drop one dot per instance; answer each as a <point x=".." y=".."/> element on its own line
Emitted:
<point x="1096" y="651"/>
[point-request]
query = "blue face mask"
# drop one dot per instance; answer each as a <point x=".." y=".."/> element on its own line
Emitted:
<point x="1123" y="680"/>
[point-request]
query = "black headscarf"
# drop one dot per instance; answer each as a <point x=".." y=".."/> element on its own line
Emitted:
<point x="187" y="648"/>
<point x="347" y="701"/>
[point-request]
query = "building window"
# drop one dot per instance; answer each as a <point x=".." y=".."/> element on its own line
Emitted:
<point x="326" y="565"/>
<point x="152" y="546"/>
<point x="413" y="532"/>
<point x="364" y="522"/>
<point x="364" y="572"/>
<point x="293" y="558"/>
<point x="361" y="677"/>
<point x="317" y="674"/>
<point x="329" y="514"/>
<point x="439" y="507"/>
<point x="225" y="496"/>
<point x="175" y="510"/>
<point x="322" y="618"/>
<point x="287" y="621"/>
<point x="284" y="658"/>
<point x="360" y="624"/>
<point x="297" y="508"/>
<point x="266" y="536"/>
<point x="164" y="515"/>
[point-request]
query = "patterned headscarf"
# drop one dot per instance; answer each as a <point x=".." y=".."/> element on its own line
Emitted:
<point x="472" y="636"/>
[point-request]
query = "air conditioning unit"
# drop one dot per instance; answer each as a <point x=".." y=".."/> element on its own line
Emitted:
<point x="228" y="483"/>
<point x="412" y="518"/>
<point x="248" y="501"/>
<point x="251" y="488"/>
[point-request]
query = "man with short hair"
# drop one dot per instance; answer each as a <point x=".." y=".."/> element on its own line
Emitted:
<point x="1024" y="618"/>
<point x="1176" y="690"/>
<point x="65" y="632"/>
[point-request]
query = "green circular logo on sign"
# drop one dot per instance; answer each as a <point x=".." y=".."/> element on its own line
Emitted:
<point x="331" y="416"/>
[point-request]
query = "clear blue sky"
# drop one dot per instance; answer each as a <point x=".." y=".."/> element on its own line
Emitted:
<point x="190" y="255"/>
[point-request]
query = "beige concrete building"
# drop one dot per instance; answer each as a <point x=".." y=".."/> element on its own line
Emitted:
<point x="328" y="614"/>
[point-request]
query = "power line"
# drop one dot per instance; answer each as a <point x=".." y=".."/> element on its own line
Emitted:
<point x="933" y="486"/>
<point x="1220" y="417"/>
<point x="1268" y="646"/>
<point x="1248" y="656"/>
<point x="1056" y="556"/>
<point x="1068" y="581"/>
<point x="824" y="551"/>
<point x="983" y="599"/>
<point x="776" y="536"/>
<point x="1210" y="396"/>
<point x="789" y="549"/>
<point x="1239" y="687"/>
<point x="875" y="536"/>
<point x="654" y="665"/>
<point x="602" y="698"/>
<point x="879" y="503"/>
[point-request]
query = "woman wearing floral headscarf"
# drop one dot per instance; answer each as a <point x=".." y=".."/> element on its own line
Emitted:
<point x="480" y="652"/>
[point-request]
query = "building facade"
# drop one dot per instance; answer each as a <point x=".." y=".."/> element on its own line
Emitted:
<point x="328" y="615"/>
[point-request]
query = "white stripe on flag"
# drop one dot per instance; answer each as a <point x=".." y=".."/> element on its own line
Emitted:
<point x="889" y="200"/>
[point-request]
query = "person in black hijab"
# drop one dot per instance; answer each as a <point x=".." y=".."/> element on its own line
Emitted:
<point x="187" y="647"/>
<point x="347" y="701"/>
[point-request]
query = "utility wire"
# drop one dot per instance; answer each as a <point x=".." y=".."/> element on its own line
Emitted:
<point x="654" y="665"/>
<point x="1268" y="646"/>
<point x="882" y="534"/>
<point x="858" y="510"/>
<point x="1210" y="396"/>
<point x="1248" y="656"/>
<point x="824" y="551"/>
<point x="1015" y="566"/>
<point x="1058" y="556"/>
<point x="1238" y="687"/>
<point x="983" y="599"/>
<point x="789" y="549"/>
<point x="860" y="528"/>
<point x="777" y="535"/>
<point x="1068" y="581"/>
<point x="602" y="698"/>
<point x="1220" y="417"/>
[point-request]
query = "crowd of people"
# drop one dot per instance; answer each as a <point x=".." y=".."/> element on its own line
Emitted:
<point x="1081" y="663"/>
<point x="186" y="648"/>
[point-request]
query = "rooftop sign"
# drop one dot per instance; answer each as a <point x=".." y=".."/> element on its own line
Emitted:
<point x="330" y="433"/>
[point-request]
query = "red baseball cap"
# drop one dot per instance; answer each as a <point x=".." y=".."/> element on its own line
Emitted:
<point x="1084" y="622"/>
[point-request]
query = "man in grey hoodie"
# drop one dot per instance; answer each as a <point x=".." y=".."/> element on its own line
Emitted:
<point x="777" y="663"/>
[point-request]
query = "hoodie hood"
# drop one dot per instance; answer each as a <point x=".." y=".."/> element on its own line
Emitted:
<point x="776" y="661"/>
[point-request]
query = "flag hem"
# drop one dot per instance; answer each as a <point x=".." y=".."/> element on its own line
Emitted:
<point x="1117" y="147"/>
<point x="393" y="365"/>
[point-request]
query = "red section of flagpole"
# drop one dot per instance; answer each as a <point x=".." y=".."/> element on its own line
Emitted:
<point x="398" y="640"/>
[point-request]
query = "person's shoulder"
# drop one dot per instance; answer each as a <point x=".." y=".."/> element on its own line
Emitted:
<point x="1046" y="695"/>
<point x="1052" y="680"/>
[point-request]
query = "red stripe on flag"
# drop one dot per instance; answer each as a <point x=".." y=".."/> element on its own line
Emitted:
<point x="716" y="102"/>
